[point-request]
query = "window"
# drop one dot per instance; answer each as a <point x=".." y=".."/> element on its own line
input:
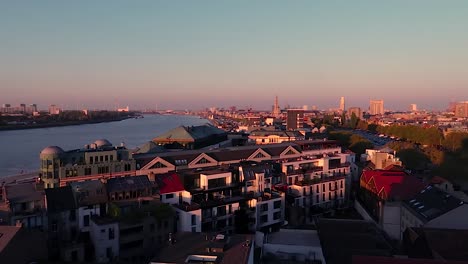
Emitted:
<point x="194" y="220"/>
<point x="264" y="207"/>
<point x="127" y="167"/>
<point x="276" y="215"/>
<point x="91" y="160"/>
<point x="109" y="253"/>
<point x="72" y="216"/>
<point x="86" y="220"/>
<point x="341" y="193"/>
<point x="158" y="165"/>
<point x="203" y="161"/>
<point x="101" y="158"/>
<point x="341" y="182"/>
<point x="264" y="219"/>
<point x="259" y="156"/>
<point x="317" y="199"/>
<point x="317" y="189"/>
<point x="329" y="196"/>
<point x="169" y="196"/>
<point x="323" y="197"/>
<point x="277" y="204"/>
<point x="111" y="234"/>
<point x="111" y="157"/>
<point x="194" y="229"/>
<point x="87" y="171"/>
<point x="323" y="187"/>
<point x="230" y="209"/>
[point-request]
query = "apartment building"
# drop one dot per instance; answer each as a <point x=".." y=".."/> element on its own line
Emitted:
<point x="99" y="160"/>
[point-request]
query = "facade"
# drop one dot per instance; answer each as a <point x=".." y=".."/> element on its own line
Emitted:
<point x="381" y="193"/>
<point x="293" y="245"/>
<point x="342" y="104"/>
<point x="276" y="108"/>
<point x="24" y="204"/>
<point x="21" y="109"/>
<point x="295" y="119"/>
<point x="413" y="107"/>
<point x="356" y="111"/>
<point x="376" y="107"/>
<point x="99" y="160"/>
<point x="381" y="158"/>
<point x="54" y="110"/>
<point x="461" y="109"/>
<point x="263" y="136"/>
<point x="104" y="234"/>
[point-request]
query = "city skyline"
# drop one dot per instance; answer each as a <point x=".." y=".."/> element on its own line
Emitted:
<point x="194" y="55"/>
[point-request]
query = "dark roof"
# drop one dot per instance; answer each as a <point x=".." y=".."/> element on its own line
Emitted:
<point x="341" y="239"/>
<point x="391" y="260"/>
<point x="450" y="244"/>
<point x="169" y="183"/>
<point x="23" y="192"/>
<point x="129" y="183"/>
<point x="432" y="202"/>
<point x="60" y="199"/>
<point x="231" y="250"/>
<point x="89" y="192"/>
<point x="7" y="234"/>
<point x="190" y="133"/>
<point x="281" y="133"/>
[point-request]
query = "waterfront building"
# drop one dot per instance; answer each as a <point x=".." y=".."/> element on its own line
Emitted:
<point x="54" y="110"/>
<point x="376" y="107"/>
<point x="268" y="136"/>
<point x="99" y="160"/>
<point x="295" y="119"/>
<point x="191" y="137"/>
<point x="21" y="109"/>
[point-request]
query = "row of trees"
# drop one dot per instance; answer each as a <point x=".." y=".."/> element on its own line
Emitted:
<point x="355" y="143"/>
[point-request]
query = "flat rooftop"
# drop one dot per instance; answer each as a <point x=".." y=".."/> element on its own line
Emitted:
<point x="294" y="237"/>
<point x="235" y="249"/>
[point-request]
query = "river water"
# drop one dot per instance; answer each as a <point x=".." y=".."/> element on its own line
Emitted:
<point x="21" y="148"/>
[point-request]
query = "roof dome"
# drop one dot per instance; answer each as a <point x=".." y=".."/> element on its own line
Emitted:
<point x="102" y="143"/>
<point x="51" y="150"/>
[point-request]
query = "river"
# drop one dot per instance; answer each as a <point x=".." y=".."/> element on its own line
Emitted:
<point x="21" y="148"/>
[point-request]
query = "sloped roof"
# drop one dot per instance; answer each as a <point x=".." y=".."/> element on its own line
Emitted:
<point x="190" y="133"/>
<point x="23" y="192"/>
<point x="128" y="183"/>
<point x="60" y="199"/>
<point x="149" y="147"/>
<point x="169" y="183"/>
<point x="432" y="202"/>
<point x="396" y="184"/>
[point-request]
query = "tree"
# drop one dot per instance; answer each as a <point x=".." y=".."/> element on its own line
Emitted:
<point x="453" y="141"/>
<point x="353" y="122"/>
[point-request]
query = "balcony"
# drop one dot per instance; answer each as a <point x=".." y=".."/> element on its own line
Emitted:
<point x="304" y="171"/>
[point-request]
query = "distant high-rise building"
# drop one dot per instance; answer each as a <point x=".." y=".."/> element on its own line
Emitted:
<point x="305" y="107"/>
<point x="356" y="111"/>
<point x="295" y="119"/>
<point x="314" y="107"/>
<point x="54" y="110"/>
<point x="413" y="107"/>
<point x="376" y="107"/>
<point x="461" y="109"/>
<point x="342" y="104"/>
<point x="276" y="109"/>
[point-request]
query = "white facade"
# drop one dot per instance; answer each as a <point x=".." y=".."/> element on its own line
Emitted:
<point x="176" y="197"/>
<point x="391" y="219"/>
<point x="84" y="216"/>
<point x="269" y="210"/>
<point x="290" y="244"/>
<point x="105" y="238"/>
<point x="189" y="221"/>
<point x="204" y="179"/>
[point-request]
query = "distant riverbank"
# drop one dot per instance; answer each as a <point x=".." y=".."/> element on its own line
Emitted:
<point x="61" y="124"/>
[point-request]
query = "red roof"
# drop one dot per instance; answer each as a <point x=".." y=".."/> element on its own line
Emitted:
<point x="396" y="184"/>
<point x="169" y="183"/>
<point x="390" y="260"/>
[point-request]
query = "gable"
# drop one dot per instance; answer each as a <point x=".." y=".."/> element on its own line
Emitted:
<point x="157" y="163"/>
<point x="289" y="151"/>
<point x="203" y="159"/>
<point x="259" y="154"/>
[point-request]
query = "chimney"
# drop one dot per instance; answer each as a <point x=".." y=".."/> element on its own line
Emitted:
<point x="18" y="223"/>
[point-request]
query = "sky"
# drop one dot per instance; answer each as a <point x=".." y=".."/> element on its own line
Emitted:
<point x="194" y="54"/>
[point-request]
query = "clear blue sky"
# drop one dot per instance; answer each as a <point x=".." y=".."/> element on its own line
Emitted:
<point x="190" y="54"/>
